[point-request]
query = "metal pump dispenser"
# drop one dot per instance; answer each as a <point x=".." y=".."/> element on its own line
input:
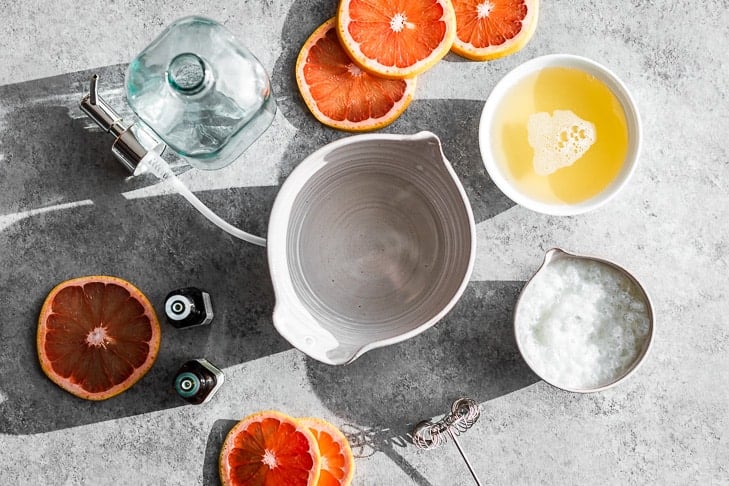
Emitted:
<point x="132" y="142"/>
<point x="139" y="151"/>
<point x="225" y="117"/>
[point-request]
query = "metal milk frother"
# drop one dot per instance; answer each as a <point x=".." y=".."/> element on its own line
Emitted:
<point x="429" y="435"/>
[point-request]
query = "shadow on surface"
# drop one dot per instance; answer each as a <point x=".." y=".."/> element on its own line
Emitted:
<point x="454" y="121"/>
<point x="211" y="472"/>
<point x="471" y="352"/>
<point x="51" y="158"/>
<point x="456" y="124"/>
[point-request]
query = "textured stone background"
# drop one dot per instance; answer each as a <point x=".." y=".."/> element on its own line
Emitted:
<point x="66" y="210"/>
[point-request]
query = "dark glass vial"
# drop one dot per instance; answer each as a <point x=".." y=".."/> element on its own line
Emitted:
<point x="198" y="380"/>
<point x="188" y="307"/>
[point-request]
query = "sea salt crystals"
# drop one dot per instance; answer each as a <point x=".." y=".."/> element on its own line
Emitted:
<point x="581" y="324"/>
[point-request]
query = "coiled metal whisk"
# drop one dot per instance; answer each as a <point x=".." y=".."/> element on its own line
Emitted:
<point x="429" y="435"/>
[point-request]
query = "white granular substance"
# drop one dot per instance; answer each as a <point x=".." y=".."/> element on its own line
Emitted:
<point x="581" y="324"/>
<point x="559" y="140"/>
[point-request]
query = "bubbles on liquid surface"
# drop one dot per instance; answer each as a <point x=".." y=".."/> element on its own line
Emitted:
<point x="558" y="140"/>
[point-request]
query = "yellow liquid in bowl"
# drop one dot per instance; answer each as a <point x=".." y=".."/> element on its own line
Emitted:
<point x="548" y="91"/>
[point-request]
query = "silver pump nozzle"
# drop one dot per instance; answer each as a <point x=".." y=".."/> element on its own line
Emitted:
<point x="132" y="142"/>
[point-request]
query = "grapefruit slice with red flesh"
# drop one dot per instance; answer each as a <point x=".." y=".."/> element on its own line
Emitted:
<point x="489" y="29"/>
<point x="396" y="38"/>
<point x="339" y="94"/>
<point x="269" y="449"/>
<point x="97" y="336"/>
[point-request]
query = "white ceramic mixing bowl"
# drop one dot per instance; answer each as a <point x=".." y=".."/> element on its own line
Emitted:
<point x="371" y="241"/>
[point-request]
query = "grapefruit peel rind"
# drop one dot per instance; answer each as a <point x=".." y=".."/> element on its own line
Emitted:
<point x="394" y="18"/>
<point x="343" y="471"/>
<point x="343" y="71"/>
<point x="67" y="383"/>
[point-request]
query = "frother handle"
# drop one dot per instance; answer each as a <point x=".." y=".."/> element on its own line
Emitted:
<point x="463" y="455"/>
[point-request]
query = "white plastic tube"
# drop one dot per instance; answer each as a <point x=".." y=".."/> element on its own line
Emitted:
<point x="155" y="164"/>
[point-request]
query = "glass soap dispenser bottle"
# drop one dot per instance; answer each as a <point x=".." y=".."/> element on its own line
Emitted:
<point x="202" y="92"/>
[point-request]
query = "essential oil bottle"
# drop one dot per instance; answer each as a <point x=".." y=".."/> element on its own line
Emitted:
<point x="198" y="380"/>
<point x="188" y="307"/>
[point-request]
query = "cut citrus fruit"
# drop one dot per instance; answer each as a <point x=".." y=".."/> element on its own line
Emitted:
<point x="268" y="449"/>
<point x="97" y="336"/>
<point x="396" y="38"/>
<point x="337" y="461"/>
<point x="339" y="94"/>
<point x="489" y="29"/>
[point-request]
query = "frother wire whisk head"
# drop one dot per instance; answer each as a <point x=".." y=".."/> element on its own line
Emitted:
<point x="429" y="435"/>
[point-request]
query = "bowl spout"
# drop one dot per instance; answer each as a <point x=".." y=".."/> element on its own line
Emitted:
<point x="428" y="147"/>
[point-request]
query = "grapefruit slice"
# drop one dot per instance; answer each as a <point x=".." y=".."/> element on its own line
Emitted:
<point x="269" y="448"/>
<point x="97" y="336"/>
<point x="337" y="461"/>
<point x="489" y="29"/>
<point x="339" y="94"/>
<point x="396" y="38"/>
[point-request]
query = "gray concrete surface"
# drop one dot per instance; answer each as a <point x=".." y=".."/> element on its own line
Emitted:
<point x="66" y="210"/>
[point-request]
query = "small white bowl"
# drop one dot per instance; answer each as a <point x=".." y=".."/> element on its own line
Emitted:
<point x="508" y="82"/>
<point x="526" y="297"/>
